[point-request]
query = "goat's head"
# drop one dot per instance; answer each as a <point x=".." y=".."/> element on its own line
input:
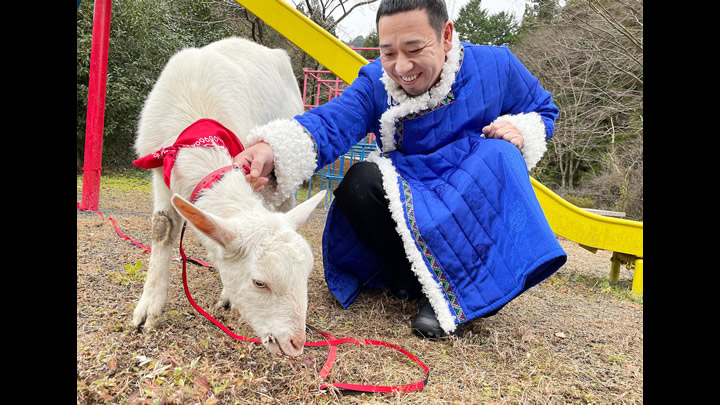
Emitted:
<point x="264" y="265"/>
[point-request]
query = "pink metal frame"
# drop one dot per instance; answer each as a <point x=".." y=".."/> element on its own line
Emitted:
<point x="333" y="173"/>
<point x="324" y="79"/>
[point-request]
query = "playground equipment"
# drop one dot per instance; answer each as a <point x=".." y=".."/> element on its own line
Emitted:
<point x="592" y="231"/>
<point x="622" y="237"/>
<point x="319" y="87"/>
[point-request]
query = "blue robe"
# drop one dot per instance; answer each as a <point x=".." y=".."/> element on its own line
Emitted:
<point x="472" y="228"/>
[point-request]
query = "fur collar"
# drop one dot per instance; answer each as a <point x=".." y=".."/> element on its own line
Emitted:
<point x="402" y="104"/>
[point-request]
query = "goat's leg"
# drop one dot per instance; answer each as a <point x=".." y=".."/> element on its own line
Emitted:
<point x="166" y="227"/>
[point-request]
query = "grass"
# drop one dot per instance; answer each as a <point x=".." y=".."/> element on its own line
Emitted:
<point x="573" y="338"/>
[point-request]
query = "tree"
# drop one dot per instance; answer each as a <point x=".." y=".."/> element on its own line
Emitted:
<point x="372" y="41"/>
<point x="322" y="11"/>
<point x="475" y="25"/>
<point x="590" y="59"/>
<point x="132" y="70"/>
<point x="144" y="34"/>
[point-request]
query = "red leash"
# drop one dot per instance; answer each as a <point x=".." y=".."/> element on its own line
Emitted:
<point x="330" y="341"/>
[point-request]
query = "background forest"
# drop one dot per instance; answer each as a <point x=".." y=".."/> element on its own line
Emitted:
<point x="587" y="53"/>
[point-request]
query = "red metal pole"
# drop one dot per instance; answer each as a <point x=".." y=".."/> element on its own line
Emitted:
<point x="96" y="105"/>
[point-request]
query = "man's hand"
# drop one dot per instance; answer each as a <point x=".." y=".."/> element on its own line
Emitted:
<point x="504" y="130"/>
<point x="261" y="161"/>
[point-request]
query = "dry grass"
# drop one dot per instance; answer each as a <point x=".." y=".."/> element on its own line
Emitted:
<point x="573" y="338"/>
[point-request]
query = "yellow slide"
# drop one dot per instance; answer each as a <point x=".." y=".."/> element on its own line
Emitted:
<point x="623" y="237"/>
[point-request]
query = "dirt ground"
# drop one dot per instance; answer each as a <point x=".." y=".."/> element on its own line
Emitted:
<point x="574" y="338"/>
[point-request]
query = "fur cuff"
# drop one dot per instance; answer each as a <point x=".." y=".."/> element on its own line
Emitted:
<point x="532" y="128"/>
<point x="295" y="159"/>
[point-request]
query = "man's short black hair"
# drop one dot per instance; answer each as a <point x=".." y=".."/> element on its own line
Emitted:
<point x="436" y="10"/>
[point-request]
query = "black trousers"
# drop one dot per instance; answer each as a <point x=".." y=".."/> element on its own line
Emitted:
<point x="361" y="197"/>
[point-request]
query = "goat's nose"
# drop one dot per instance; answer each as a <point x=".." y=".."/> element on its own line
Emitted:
<point x="298" y="341"/>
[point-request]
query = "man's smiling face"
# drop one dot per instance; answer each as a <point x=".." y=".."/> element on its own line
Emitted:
<point x="410" y="51"/>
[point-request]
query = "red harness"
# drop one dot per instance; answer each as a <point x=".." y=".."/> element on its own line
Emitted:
<point x="213" y="178"/>
<point x="221" y="136"/>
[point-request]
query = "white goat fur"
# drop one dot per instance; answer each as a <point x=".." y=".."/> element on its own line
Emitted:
<point x="264" y="264"/>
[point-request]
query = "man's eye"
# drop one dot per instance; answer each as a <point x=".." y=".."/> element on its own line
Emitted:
<point x="416" y="51"/>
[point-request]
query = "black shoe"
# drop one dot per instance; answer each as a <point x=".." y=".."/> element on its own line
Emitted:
<point x="427" y="325"/>
<point x="405" y="293"/>
<point x="406" y="289"/>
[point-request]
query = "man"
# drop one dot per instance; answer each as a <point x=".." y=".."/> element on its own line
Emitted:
<point x="444" y="209"/>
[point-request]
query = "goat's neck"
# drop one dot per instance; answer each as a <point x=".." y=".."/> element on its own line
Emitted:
<point x="231" y="194"/>
<point x="230" y="197"/>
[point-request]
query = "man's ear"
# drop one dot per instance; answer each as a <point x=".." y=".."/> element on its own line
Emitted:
<point x="447" y="36"/>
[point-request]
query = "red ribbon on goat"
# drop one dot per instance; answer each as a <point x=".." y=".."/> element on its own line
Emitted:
<point x="204" y="132"/>
<point x="331" y="341"/>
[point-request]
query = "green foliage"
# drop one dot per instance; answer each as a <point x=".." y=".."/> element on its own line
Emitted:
<point x="144" y="34"/>
<point x="582" y="202"/>
<point x="132" y="274"/>
<point x="475" y="25"/>
<point x="357" y="41"/>
<point x="372" y="41"/>
<point x="538" y="13"/>
<point x="132" y="69"/>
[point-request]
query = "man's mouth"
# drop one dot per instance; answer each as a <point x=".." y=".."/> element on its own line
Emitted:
<point x="408" y="79"/>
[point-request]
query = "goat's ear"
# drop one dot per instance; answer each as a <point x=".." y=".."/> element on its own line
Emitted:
<point x="300" y="214"/>
<point x="205" y="222"/>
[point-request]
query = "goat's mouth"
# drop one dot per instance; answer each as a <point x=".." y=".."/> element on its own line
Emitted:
<point x="274" y="346"/>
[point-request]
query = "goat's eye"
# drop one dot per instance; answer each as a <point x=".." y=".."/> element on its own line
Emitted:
<point x="259" y="284"/>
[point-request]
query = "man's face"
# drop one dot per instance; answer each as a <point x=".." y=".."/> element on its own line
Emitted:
<point x="410" y="51"/>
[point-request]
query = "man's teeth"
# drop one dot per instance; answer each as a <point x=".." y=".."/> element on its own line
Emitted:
<point x="410" y="78"/>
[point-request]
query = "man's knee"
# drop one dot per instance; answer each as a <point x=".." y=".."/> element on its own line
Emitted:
<point x="361" y="179"/>
<point x="361" y="190"/>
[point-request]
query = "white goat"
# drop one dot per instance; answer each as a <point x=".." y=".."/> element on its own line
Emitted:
<point x="264" y="264"/>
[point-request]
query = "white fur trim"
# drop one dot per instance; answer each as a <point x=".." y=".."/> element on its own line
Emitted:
<point x="295" y="159"/>
<point x="433" y="291"/>
<point x="403" y="104"/>
<point x="532" y="128"/>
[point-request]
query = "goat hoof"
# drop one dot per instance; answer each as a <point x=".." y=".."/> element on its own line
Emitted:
<point x="138" y="319"/>
<point x="151" y="322"/>
<point x="143" y="319"/>
<point x="146" y="323"/>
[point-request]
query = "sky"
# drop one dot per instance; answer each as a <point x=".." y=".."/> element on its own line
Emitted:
<point x="362" y="20"/>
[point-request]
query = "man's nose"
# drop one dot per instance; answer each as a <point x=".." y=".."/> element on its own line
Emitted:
<point x="403" y="65"/>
